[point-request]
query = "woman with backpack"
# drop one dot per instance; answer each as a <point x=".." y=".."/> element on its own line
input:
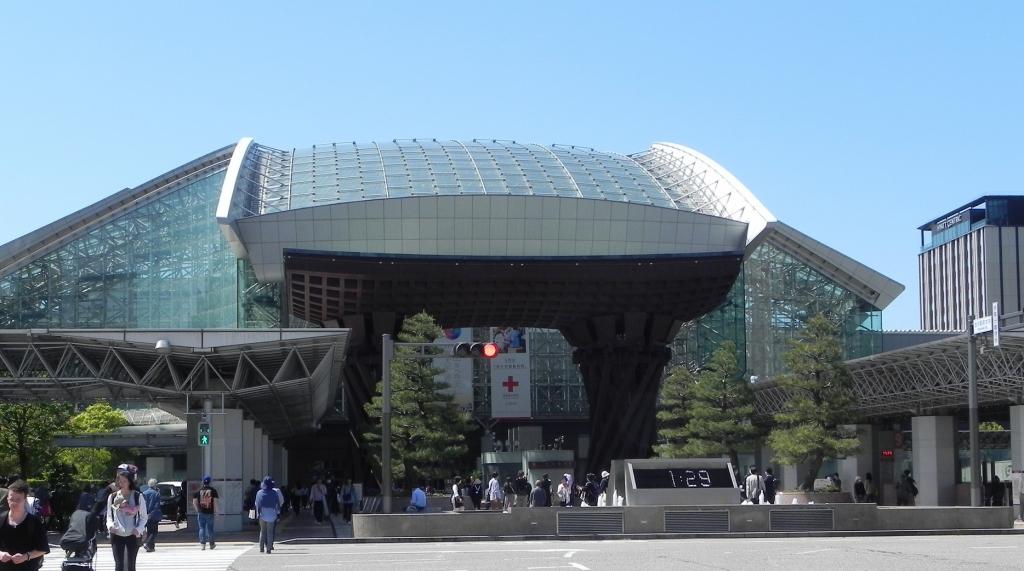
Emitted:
<point x="268" y="508"/>
<point x="126" y="521"/>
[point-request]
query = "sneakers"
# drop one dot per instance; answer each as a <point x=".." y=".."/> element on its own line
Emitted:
<point x="213" y="545"/>
<point x="204" y="546"/>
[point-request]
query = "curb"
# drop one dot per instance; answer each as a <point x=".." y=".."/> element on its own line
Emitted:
<point x="649" y="536"/>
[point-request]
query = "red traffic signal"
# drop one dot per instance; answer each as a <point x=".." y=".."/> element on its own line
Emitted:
<point x="480" y="350"/>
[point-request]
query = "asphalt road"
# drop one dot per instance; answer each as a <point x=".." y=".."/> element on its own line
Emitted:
<point x="989" y="552"/>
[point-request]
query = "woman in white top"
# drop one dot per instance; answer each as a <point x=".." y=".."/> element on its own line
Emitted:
<point x="457" y="494"/>
<point x="126" y="521"/>
<point x="564" y="491"/>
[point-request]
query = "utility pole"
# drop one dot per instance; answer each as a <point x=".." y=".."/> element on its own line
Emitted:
<point x="972" y="412"/>
<point x="987" y="324"/>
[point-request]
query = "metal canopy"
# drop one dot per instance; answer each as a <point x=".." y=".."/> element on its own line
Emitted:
<point x="284" y="379"/>
<point x="928" y="378"/>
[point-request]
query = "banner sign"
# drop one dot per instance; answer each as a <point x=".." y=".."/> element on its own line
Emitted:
<point x="510" y="374"/>
<point x="457" y="373"/>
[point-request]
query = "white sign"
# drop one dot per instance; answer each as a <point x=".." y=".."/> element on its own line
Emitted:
<point x="510" y="386"/>
<point x="983" y="324"/>
<point x="457" y="373"/>
<point x="995" y="324"/>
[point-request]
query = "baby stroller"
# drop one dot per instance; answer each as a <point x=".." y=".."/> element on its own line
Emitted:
<point x="79" y="541"/>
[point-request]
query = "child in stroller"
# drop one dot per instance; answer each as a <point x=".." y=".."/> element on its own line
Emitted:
<point x="79" y="541"/>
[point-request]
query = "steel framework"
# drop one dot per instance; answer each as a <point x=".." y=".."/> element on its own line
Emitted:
<point x="286" y="385"/>
<point x="927" y="378"/>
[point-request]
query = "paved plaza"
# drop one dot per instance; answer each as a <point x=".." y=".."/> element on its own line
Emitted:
<point x="989" y="552"/>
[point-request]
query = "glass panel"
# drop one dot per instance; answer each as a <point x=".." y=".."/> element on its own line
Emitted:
<point x="164" y="264"/>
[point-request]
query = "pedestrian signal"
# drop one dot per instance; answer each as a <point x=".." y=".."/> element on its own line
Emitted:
<point x="479" y="350"/>
<point x="204" y="433"/>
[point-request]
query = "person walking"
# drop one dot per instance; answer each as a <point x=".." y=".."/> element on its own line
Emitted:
<point x="22" y="535"/>
<point x="860" y="493"/>
<point x="205" y="502"/>
<point x="126" y="521"/>
<point x="268" y="504"/>
<point x="564" y="491"/>
<point x="348" y="499"/>
<point x="458" y="504"/>
<point x="906" y="490"/>
<point x="249" y="503"/>
<point x="509" y="493"/>
<point x="538" y="498"/>
<point x="523" y="489"/>
<point x="754" y="486"/>
<point x="182" y="504"/>
<point x="317" y="496"/>
<point x="546" y="484"/>
<point x="771" y="486"/>
<point x="870" y="493"/>
<point x="476" y="492"/>
<point x="151" y="495"/>
<point x="494" y="492"/>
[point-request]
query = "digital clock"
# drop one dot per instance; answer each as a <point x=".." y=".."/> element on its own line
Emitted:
<point x="682" y="477"/>
<point x="678" y="482"/>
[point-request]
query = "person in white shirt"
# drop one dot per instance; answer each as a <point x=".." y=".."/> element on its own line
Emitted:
<point x="494" y="492"/>
<point x="754" y="485"/>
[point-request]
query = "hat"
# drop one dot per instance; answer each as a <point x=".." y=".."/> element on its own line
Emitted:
<point x="605" y="474"/>
<point x="206" y="479"/>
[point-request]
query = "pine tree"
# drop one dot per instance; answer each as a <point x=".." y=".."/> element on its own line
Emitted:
<point x="671" y="414"/>
<point x="720" y="409"/>
<point x="427" y="428"/>
<point x="819" y="387"/>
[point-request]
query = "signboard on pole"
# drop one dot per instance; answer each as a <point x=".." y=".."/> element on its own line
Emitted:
<point x="457" y="373"/>
<point x="510" y="374"/>
<point x="995" y="324"/>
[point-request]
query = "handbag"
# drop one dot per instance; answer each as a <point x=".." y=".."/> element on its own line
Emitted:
<point x="252" y="513"/>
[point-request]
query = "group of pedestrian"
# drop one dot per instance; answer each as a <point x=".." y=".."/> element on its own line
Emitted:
<point x="514" y="492"/>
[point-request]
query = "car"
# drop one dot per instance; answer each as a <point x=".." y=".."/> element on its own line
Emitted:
<point x="170" y="496"/>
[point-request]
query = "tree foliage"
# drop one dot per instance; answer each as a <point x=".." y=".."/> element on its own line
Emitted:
<point x="27" y="431"/>
<point x="671" y="414"/>
<point x="819" y="388"/>
<point x="720" y="408"/>
<point x="427" y="428"/>
<point x="92" y="463"/>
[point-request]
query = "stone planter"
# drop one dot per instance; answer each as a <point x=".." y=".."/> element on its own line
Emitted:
<point x="783" y="498"/>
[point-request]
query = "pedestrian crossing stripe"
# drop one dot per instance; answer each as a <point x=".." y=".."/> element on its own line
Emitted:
<point x="170" y="557"/>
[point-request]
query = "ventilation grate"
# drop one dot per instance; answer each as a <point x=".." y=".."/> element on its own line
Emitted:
<point x="802" y="520"/>
<point x="588" y="522"/>
<point x="703" y="521"/>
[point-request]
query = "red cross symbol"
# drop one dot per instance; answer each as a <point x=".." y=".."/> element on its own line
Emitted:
<point x="510" y="384"/>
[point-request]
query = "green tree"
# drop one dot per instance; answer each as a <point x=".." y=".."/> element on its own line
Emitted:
<point x="427" y="428"/>
<point x="92" y="463"/>
<point x="671" y="413"/>
<point x="720" y="408"/>
<point x="27" y="431"/>
<point x="818" y="385"/>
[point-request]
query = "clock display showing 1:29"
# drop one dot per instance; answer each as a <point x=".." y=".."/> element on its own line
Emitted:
<point x="682" y="477"/>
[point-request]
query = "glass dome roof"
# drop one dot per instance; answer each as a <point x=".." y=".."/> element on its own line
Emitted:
<point x="348" y="172"/>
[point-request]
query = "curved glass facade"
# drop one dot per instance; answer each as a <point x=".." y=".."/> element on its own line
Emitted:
<point x="163" y="264"/>
<point x="350" y="172"/>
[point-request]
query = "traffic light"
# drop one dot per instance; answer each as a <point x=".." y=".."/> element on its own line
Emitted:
<point x="479" y="350"/>
<point x="204" y="433"/>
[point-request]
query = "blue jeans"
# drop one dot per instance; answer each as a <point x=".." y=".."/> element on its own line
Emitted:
<point x="205" y="528"/>
<point x="267" y="535"/>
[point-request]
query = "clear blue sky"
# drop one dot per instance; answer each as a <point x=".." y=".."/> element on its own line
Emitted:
<point x="854" y="122"/>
